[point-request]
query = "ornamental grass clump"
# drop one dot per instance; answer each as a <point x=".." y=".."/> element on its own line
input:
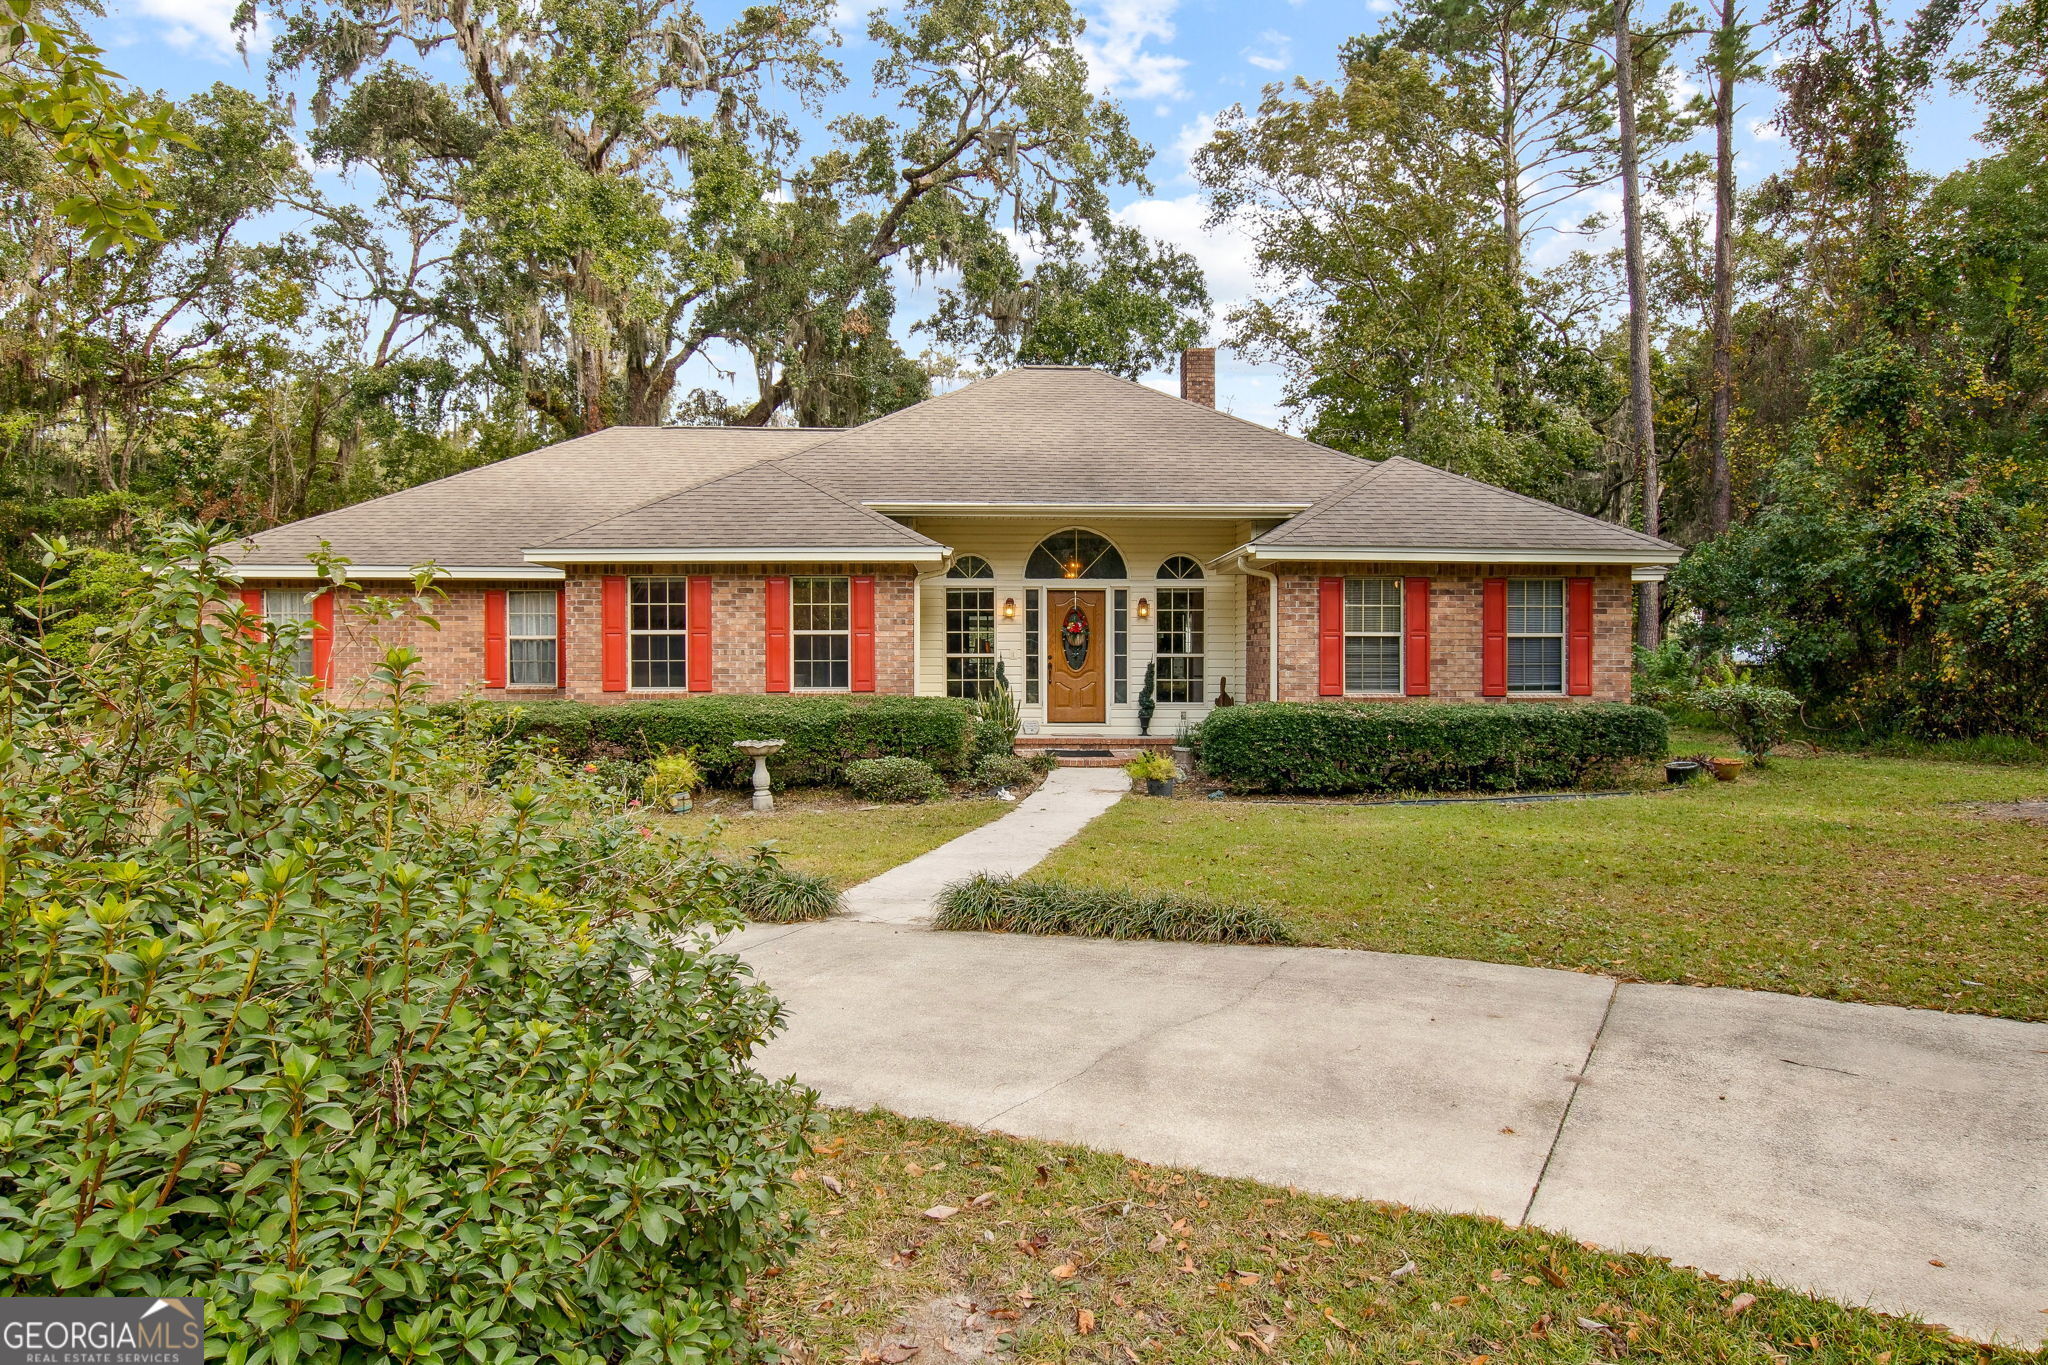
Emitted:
<point x="382" y="1062"/>
<point x="767" y="892"/>
<point x="994" y="904"/>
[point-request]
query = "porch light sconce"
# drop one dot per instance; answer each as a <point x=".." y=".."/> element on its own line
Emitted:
<point x="1009" y="608"/>
<point x="1144" y="609"/>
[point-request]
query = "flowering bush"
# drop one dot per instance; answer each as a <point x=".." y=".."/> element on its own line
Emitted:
<point x="385" y="1064"/>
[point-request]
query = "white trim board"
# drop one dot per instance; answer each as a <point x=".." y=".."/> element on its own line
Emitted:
<point x="869" y="554"/>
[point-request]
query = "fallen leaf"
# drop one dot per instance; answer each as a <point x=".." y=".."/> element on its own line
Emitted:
<point x="911" y="1168"/>
<point x="1158" y="1242"/>
<point x="1321" y="1239"/>
<point x="896" y="1352"/>
<point x="939" y="1213"/>
<point x="1942" y="1264"/>
<point x="1591" y="1324"/>
<point x="1401" y="1272"/>
<point x="1460" y="1300"/>
<point x="1064" y="1271"/>
<point x="1510" y="1132"/>
<point x="1741" y="1304"/>
<point x="1084" y="1321"/>
<point x="982" y="1201"/>
<point x="831" y="1182"/>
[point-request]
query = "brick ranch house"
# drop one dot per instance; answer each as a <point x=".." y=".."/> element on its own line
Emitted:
<point x="1076" y="526"/>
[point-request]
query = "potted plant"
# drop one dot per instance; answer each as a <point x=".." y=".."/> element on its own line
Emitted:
<point x="1155" y="770"/>
<point x="1725" y="769"/>
<point x="674" y="782"/>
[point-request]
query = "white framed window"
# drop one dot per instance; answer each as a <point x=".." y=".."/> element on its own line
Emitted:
<point x="1535" y="635"/>
<point x="658" y="634"/>
<point x="821" y="634"/>
<point x="1179" y="637"/>
<point x="1372" y="635"/>
<point x="289" y="605"/>
<point x="970" y="641"/>
<point x="531" y="648"/>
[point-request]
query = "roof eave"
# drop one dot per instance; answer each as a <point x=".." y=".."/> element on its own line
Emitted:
<point x="528" y="571"/>
<point x="807" y="554"/>
<point x="1085" y="509"/>
<point x="1411" y="554"/>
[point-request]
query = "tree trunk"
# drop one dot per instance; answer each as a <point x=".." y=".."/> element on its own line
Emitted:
<point x="1720" y="489"/>
<point x="1641" y="403"/>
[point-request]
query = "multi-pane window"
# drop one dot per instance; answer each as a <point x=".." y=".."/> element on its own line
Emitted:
<point x="821" y="633"/>
<point x="1372" y="635"/>
<point x="1031" y="645"/>
<point x="281" y="605"/>
<point x="530" y="639"/>
<point x="659" y="633"/>
<point x="1179" y="649"/>
<point x="1120" y="617"/>
<point x="970" y="641"/>
<point x="1535" y="635"/>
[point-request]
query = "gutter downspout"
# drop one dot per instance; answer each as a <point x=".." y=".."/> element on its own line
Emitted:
<point x="1242" y="565"/>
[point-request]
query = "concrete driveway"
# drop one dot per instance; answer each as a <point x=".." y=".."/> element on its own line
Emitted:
<point x="1881" y="1156"/>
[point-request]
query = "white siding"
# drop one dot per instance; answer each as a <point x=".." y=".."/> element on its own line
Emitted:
<point x="1006" y="543"/>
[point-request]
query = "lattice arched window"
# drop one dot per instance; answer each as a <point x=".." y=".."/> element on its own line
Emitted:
<point x="970" y="566"/>
<point x="1074" y="553"/>
<point x="1180" y="566"/>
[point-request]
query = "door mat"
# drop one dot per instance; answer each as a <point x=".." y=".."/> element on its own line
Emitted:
<point x="1082" y="753"/>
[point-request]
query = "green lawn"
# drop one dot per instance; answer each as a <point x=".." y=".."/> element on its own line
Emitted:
<point x="840" y="840"/>
<point x="1856" y="878"/>
<point x="1060" y="1254"/>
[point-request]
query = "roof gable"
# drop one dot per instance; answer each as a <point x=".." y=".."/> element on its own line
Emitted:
<point x="1403" y="504"/>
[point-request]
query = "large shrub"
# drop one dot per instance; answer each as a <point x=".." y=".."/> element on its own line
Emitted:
<point x="384" y="1064"/>
<point x="1759" y="717"/>
<point x="1336" y="747"/>
<point x="824" y="734"/>
<point x="893" y="779"/>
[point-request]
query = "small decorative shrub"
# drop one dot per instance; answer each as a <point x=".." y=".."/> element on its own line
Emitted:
<point x="765" y="891"/>
<point x="1759" y="717"/>
<point x="822" y="733"/>
<point x="894" y="779"/>
<point x="1148" y="698"/>
<point x="384" y="1061"/>
<point x="1152" y="766"/>
<point x="1004" y="770"/>
<point x="671" y="775"/>
<point x="614" y="780"/>
<point x="992" y="904"/>
<point x="997" y="718"/>
<point x="1336" y="747"/>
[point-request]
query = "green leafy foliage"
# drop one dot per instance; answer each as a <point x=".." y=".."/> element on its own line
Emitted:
<point x="997" y="718"/>
<point x="1152" y="766"/>
<point x="767" y="891"/>
<point x="985" y="903"/>
<point x="822" y="734"/>
<point x="1334" y="747"/>
<point x="671" y="775"/>
<point x="383" y="1063"/>
<point x="1759" y="717"/>
<point x="1003" y="770"/>
<point x="894" y="779"/>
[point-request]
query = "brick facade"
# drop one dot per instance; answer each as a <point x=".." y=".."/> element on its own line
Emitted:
<point x="1454" y="624"/>
<point x="453" y="656"/>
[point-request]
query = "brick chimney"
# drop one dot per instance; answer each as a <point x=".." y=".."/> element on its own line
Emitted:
<point x="1198" y="375"/>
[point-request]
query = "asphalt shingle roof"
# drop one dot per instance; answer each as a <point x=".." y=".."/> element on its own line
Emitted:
<point x="1400" y="503"/>
<point x="1054" y="435"/>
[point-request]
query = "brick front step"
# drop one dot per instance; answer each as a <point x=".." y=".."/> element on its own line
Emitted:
<point x="1133" y="743"/>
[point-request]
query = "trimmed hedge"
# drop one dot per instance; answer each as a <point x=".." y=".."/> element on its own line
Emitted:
<point x="1326" y="748"/>
<point x="824" y="734"/>
<point x="893" y="779"/>
<point x="988" y="903"/>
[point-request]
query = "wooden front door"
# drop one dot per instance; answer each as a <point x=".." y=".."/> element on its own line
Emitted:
<point x="1078" y="644"/>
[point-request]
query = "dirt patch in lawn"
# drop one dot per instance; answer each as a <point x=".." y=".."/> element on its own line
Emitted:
<point x="951" y="1327"/>
<point x="2033" y="811"/>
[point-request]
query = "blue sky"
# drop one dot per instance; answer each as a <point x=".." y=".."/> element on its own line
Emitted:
<point x="1173" y="63"/>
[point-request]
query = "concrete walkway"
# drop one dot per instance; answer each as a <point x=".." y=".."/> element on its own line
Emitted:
<point x="1068" y="799"/>
<point x="1885" y="1156"/>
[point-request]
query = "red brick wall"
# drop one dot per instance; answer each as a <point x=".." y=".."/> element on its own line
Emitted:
<point x="1258" y="639"/>
<point x="453" y="656"/>
<point x="1454" y="624"/>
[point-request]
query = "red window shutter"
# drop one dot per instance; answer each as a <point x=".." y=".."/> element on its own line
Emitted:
<point x="861" y="594"/>
<point x="1493" y="637"/>
<point x="612" y="603"/>
<point x="252" y="602"/>
<point x="700" y="634"/>
<point x="561" y="637"/>
<point x="1578" y="636"/>
<point x="1330" y="636"/>
<point x="1415" y="617"/>
<point x="778" y="634"/>
<point x="494" y="637"/>
<point x="323" y="639"/>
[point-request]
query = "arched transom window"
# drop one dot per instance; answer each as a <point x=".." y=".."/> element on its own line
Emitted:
<point x="1180" y="566"/>
<point x="1074" y="554"/>
<point x="970" y="566"/>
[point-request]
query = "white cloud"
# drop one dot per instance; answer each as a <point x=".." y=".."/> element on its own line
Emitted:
<point x="1274" y="52"/>
<point x="1765" y="129"/>
<point x="1223" y="252"/>
<point x="1192" y="137"/>
<point x="203" y="27"/>
<point x="1119" y="61"/>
